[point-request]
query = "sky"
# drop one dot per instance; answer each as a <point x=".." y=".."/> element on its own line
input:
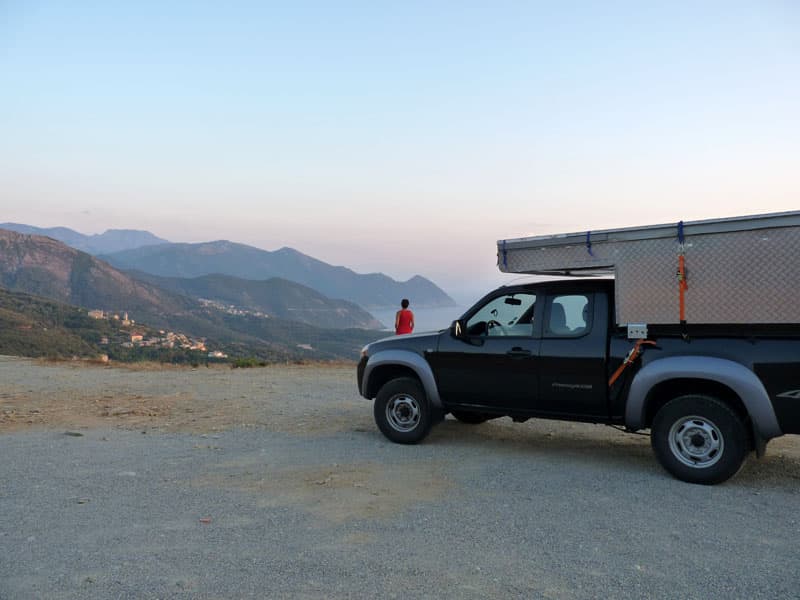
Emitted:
<point x="405" y="138"/>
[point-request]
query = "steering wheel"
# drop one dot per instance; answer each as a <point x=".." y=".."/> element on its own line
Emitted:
<point x="495" y="325"/>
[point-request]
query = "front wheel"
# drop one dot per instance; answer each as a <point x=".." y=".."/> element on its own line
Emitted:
<point x="699" y="439"/>
<point x="402" y="412"/>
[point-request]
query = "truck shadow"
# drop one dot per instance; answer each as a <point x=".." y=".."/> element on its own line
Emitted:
<point x="602" y="445"/>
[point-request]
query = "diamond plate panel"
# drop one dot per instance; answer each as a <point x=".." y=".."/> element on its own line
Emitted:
<point x="733" y="277"/>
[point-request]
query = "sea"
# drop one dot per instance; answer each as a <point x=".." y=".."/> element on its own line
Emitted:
<point x="425" y="319"/>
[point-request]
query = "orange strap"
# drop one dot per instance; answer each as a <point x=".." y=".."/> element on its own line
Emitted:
<point x="632" y="356"/>
<point x="682" y="286"/>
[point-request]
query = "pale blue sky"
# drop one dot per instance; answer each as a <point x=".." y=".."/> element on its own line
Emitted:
<point x="396" y="137"/>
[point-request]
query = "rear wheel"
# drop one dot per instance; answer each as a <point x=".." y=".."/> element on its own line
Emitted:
<point x="471" y="418"/>
<point x="699" y="439"/>
<point x="402" y="411"/>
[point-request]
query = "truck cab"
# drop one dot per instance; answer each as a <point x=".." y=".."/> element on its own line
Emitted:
<point x="531" y="350"/>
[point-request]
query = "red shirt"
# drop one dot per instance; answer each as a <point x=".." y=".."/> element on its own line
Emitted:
<point x="405" y="321"/>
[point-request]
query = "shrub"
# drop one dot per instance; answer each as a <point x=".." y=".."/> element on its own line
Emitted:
<point x="246" y="363"/>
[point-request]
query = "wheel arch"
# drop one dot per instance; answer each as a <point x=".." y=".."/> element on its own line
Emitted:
<point x="731" y="382"/>
<point x="666" y="390"/>
<point x="391" y="364"/>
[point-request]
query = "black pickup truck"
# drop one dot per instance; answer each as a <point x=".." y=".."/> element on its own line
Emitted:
<point x="709" y="395"/>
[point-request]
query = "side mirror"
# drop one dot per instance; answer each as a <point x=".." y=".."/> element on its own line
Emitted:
<point x="457" y="329"/>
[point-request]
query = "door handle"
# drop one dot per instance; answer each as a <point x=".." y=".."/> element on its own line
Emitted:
<point x="517" y="352"/>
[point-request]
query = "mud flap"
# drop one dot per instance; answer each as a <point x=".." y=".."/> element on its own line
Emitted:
<point x="759" y="444"/>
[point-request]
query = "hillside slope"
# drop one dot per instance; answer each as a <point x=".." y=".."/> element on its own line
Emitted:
<point x="275" y="297"/>
<point x="34" y="327"/>
<point x="45" y="267"/>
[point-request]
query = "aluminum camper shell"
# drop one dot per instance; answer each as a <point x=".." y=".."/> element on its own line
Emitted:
<point x="739" y="270"/>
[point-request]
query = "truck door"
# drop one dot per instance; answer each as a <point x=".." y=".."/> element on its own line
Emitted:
<point x="572" y="358"/>
<point x="494" y="362"/>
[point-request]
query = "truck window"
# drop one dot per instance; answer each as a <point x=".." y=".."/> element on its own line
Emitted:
<point x="569" y="316"/>
<point x="509" y="315"/>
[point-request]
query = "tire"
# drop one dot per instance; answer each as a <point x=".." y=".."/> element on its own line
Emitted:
<point x="699" y="439"/>
<point x="402" y="411"/>
<point x="470" y="418"/>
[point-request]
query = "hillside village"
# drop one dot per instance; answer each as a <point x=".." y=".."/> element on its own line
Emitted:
<point x="142" y="338"/>
<point x="232" y="309"/>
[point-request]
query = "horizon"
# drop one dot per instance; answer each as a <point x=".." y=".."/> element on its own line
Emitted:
<point x="401" y="140"/>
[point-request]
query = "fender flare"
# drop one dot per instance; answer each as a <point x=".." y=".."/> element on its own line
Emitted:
<point x="408" y="359"/>
<point x="734" y="375"/>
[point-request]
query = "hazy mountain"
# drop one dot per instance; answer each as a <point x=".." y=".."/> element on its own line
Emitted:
<point x="276" y="297"/>
<point x="112" y="240"/>
<point x="142" y="251"/>
<point x="238" y="260"/>
<point x="45" y="267"/>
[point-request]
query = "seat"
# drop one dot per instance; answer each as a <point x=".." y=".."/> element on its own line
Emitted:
<point x="558" y="320"/>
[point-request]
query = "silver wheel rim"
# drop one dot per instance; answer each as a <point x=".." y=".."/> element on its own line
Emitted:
<point x="696" y="441"/>
<point x="403" y="412"/>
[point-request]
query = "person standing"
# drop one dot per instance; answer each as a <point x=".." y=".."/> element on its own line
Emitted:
<point x="404" y="319"/>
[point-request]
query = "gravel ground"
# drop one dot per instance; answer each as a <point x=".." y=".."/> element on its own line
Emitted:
<point x="274" y="482"/>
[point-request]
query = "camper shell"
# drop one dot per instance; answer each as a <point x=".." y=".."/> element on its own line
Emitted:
<point x="736" y="271"/>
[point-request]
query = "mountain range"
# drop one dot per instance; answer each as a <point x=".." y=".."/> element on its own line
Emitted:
<point x="373" y="290"/>
<point x="143" y="252"/>
<point x="50" y="269"/>
<point x="112" y="240"/>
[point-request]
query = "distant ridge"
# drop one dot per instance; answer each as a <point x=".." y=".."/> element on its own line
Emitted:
<point x="374" y="290"/>
<point x="136" y="250"/>
<point x="112" y="240"/>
